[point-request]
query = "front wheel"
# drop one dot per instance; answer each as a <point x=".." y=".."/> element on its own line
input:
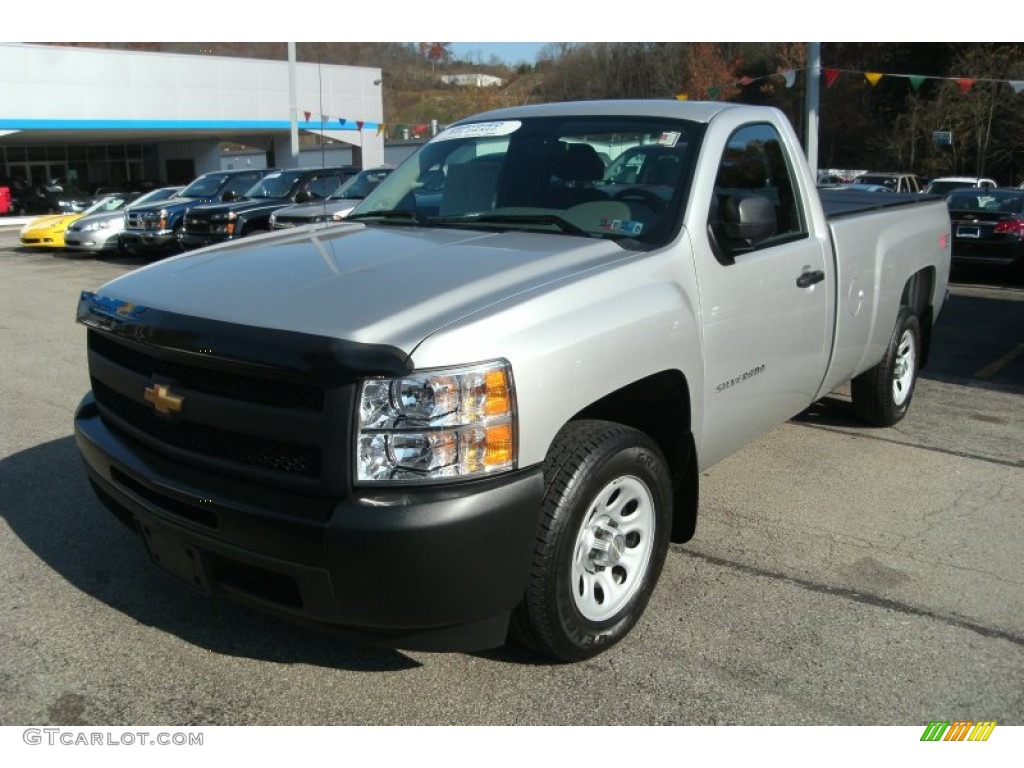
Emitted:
<point x="603" y="537"/>
<point x="881" y="395"/>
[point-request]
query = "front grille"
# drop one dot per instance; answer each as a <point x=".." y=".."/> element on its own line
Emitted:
<point x="143" y="221"/>
<point x="209" y="441"/>
<point x="278" y="394"/>
<point x="198" y="226"/>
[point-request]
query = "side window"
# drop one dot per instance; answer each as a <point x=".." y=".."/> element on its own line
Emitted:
<point x="754" y="164"/>
<point x="241" y="183"/>
<point x="322" y="186"/>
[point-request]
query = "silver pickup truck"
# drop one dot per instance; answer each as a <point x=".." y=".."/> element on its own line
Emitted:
<point x="479" y="407"/>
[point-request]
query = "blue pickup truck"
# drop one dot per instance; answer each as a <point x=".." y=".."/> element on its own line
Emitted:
<point x="250" y="213"/>
<point x="154" y="228"/>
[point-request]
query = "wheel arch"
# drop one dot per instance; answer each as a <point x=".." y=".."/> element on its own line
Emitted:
<point x="659" y="406"/>
<point x="918" y="296"/>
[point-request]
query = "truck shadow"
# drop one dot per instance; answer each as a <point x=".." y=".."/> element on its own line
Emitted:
<point x="48" y="504"/>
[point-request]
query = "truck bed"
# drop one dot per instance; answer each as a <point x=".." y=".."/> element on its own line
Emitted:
<point x="849" y="202"/>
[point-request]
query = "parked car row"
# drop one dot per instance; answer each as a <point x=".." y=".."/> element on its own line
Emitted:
<point x="910" y="183"/>
<point x="214" y="208"/>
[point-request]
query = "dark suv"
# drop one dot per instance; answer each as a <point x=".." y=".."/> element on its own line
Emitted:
<point x="209" y="224"/>
<point x="154" y="228"/>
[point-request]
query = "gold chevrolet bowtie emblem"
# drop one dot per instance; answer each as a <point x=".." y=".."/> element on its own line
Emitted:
<point x="162" y="398"/>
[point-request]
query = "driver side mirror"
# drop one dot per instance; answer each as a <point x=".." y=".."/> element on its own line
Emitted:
<point x="228" y="196"/>
<point x="303" y="196"/>
<point x="742" y="221"/>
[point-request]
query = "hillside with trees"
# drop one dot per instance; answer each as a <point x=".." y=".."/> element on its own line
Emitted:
<point x="881" y="103"/>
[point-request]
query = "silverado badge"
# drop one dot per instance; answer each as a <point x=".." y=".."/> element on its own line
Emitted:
<point x="162" y="398"/>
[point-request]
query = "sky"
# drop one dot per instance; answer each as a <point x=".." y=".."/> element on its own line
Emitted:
<point x="510" y="53"/>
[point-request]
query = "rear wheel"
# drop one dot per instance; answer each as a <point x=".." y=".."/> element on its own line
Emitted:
<point x="881" y="395"/>
<point x="607" y="515"/>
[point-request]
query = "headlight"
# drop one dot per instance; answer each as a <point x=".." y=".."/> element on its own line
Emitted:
<point x="95" y="226"/>
<point x="437" y="425"/>
<point x="224" y="216"/>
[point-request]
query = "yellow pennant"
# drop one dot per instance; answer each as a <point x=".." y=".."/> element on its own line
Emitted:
<point x="682" y="96"/>
<point x="873" y="77"/>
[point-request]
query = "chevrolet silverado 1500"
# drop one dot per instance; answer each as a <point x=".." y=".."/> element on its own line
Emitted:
<point x="479" y="407"/>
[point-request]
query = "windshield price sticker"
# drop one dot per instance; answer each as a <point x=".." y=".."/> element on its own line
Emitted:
<point x="669" y="138"/>
<point x="479" y="130"/>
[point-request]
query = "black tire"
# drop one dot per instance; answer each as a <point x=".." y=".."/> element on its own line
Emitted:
<point x="881" y="395"/>
<point x="604" y="533"/>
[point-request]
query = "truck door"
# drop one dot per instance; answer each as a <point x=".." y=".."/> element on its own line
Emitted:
<point x="765" y="301"/>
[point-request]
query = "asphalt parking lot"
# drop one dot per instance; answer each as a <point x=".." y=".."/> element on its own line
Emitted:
<point x="840" y="575"/>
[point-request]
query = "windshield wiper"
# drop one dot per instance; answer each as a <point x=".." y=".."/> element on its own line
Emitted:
<point x="515" y="218"/>
<point x="400" y="213"/>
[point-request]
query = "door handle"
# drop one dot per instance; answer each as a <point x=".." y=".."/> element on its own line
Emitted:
<point x="809" y="278"/>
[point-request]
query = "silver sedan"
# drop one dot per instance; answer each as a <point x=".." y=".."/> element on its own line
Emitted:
<point x="99" y="232"/>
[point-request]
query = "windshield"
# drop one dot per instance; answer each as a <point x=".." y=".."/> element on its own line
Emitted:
<point x="105" y="204"/>
<point x="359" y="186"/>
<point x="205" y="186"/>
<point x="884" y="181"/>
<point x="942" y="187"/>
<point x="157" y="195"/>
<point x="276" y="185"/>
<point x="609" y="177"/>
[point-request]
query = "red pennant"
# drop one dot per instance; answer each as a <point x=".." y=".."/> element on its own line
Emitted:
<point x="746" y="80"/>
<point x="359" y="125"/>
<point x="830" y="76"/>
<point x="307" y="114"/>
<point x="421" y="128"/>
<point x="965" y="84"/>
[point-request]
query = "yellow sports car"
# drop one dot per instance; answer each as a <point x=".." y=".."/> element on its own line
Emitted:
<point x="48" y="231"/>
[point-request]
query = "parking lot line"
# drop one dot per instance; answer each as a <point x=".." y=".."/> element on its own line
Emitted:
<point x="998" y="364"/>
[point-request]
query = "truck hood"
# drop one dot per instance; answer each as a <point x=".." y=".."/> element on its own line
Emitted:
<point x="373" y="284"/>
<point x="247" y="205"/>
<point x="319" y="208"/>
<point x="171" y="204"/>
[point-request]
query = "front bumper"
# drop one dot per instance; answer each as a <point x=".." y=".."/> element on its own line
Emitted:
<point x="189" y="241"/>
<point x="156" y="240"/>
<point x="90" y="241"/>
<point x="42" y="241"/>
<point x="424" y="568"/>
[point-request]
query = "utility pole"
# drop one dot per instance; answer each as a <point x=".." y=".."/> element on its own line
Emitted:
<point x="293" y="99"/>
<point x="813" y="92"/>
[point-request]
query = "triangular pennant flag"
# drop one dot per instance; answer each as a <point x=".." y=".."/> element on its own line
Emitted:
<point x="1017" y="85"/>
<point x="713" y="92"/>
<point x="682" y="96"/>
<point x="790" y="77"/>
<point x="307" y="114"/>
<point x="746" y="80"/>
<point x="830" y="76"/>
<point x="965" y="84"/>
<point x="359" y="125"/>
<point x="421" y="128"/>
<point x="342" y="121"/>
<point x="380" y="128"/>
<point x="873" y="77"/>
<point x="915" y="81"/>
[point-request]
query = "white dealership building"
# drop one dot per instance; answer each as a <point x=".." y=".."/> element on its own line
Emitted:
<point x="97" y="117"/>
